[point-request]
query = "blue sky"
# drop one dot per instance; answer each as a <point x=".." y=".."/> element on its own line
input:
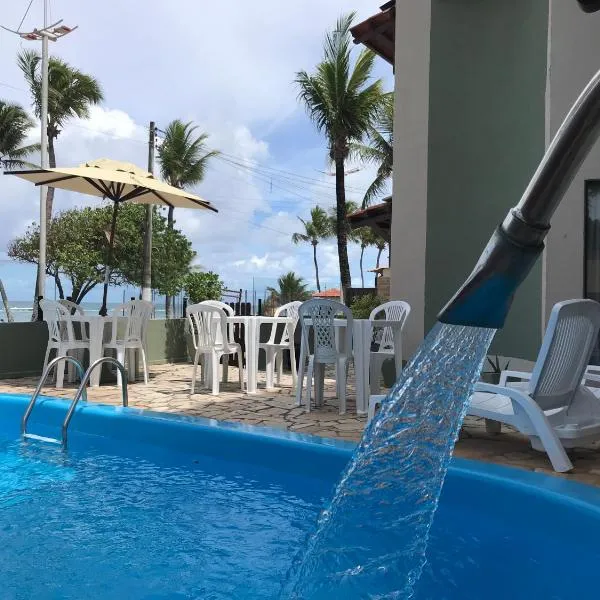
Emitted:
<point x="229" y="67"/>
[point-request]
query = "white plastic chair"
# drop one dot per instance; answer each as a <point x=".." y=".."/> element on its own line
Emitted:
<point x="136" y="313"/>
<point x="274" y="348"/>
<point x="230" y="335"/>
<point x="210" y="326"/>
<point x="321" y="314"/>
<point x="61" y="336"/>
<point x="551" y="407"/>
<point x="396" y="310"/>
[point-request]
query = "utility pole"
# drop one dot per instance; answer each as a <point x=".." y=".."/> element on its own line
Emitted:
<point x="147" y="265"/>
<point x="48" y="32"/>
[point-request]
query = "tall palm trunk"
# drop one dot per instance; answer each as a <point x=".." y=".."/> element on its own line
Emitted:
<point x="9" y="315"/>
<point x="314" y="245"/>
<point x="362" y="275"/>
<point x="341" y="224"/>
<point x="377" y="263"/>
<point x="50" y="192"/>
<point x="169" y="299"/>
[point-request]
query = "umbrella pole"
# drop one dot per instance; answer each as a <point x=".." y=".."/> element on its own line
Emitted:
<point x="111" y="244"/>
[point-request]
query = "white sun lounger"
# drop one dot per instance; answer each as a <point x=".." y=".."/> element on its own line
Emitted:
<point x="551" y="406"/>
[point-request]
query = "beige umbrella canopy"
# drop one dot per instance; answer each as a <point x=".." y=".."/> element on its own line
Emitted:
<point x="118" y="181"/>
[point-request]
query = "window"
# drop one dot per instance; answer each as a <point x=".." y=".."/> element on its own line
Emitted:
<point x="591" y="277"/>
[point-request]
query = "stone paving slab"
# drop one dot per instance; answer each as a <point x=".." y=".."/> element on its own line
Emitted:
<point x="169" y="391"/>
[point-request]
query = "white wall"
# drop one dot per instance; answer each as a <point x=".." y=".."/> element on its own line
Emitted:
<point x="409" y="209"/>
<point x="574" y="56"/>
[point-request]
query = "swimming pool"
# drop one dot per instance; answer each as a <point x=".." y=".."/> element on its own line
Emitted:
<point x="144" y="505"/>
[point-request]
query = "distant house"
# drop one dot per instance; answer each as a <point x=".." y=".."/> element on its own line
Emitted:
<point x="332" y="294"/>
<point x="480" y="90"/>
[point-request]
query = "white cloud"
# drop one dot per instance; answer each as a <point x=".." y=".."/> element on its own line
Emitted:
<point x="229" y="67"/>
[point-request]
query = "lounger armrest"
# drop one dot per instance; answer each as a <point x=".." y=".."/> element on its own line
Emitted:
<point x="587" y="376"/>
<point x="521" y="375"/>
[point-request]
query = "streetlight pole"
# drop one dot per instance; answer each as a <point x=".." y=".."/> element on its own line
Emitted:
<point x="47" y="32"/>
<point x="147" y="264"/>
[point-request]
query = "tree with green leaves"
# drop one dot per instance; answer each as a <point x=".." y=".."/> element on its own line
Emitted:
<point x="379" y="149"/>
<point x="343" y="102"/>
<point x="77" y="250"/>
<point x="71" y="93"/>
<point x="380" y="244"/>
<point x="183" y="160"/>
<point x="201" y="286"/>
<point x="290" y="287"/>
<point x="15" y="124"/>
<point x="315" y="230"/>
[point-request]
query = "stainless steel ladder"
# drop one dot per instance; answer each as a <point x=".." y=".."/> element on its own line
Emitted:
<point x="81" y="393"/>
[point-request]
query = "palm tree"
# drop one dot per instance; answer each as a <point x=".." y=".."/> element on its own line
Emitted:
<point x="15" y="124"/>
<point x="380" y="244"/>
<point x="366" y="237"/>
<point x="379" y="149"/>
<point x="71" y="93"/>
<point x="318" y="228"/>
<point x="290" y="287"/>
<point x="342" y="103"/>
<point x="183" y="160"/>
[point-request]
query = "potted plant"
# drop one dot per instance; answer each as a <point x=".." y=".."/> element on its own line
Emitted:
<point x="492" y="374"/>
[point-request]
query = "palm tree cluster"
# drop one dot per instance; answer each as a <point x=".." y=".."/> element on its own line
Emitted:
<point x="290" y="287"/>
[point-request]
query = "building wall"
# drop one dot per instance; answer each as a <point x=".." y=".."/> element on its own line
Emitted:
<point x="574" y="52"/>
<point x="486" y="137"/>
<point x="409" y="205"/>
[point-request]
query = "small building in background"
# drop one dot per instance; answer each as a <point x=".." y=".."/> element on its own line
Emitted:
<point x="331" y="294"/>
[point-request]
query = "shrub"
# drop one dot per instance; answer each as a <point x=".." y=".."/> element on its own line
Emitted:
<point x="203" y="286"/>
<point x="363" y="305"/>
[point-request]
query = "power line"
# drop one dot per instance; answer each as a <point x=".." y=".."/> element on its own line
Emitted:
<point x="25" y="15"/>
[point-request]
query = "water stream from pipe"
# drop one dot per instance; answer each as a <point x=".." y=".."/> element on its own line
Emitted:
<point x="371" y="541"/>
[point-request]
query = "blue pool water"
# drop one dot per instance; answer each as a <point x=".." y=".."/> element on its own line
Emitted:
<point x="122" y="514"/>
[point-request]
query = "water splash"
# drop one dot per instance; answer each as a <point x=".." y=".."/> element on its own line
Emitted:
<point x="371" y="541"/>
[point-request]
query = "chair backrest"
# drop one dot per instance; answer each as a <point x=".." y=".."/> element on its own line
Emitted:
<point x="137" y="314"/>
<point x="58" y="320"/>
<point x="395" y="310"/>
<point x="72" y="307"/>
<point x="208" y="325"/>
<point x="570" y="337"/>
<point x="229" y="312"/>
<point x="286" y="310"/>
<point x="322" y="313"/>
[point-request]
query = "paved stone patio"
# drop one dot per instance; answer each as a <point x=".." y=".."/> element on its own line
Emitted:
<point x="169" y="387"/>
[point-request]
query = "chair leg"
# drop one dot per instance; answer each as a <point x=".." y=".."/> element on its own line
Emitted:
<point x="215" y="374"/>
<point x="144" y="365"/>
<point x="225" y="368"/>
<point x="374" y="402"/>
<point x="197" y="358"/>
<point x="240" y="358"/>
<point x="319" y="384"/>
<point x="309" y="382"/>
<point x="293" y="365"/>
<point x="270" y="359"/>
<point x="342" y="373"/>
<point x="279" y="366"/>
<point x="121" y="359"/>
<point x="300" y="380"/>
<point x="60" y="369"/>
<point x="375" y="365"/>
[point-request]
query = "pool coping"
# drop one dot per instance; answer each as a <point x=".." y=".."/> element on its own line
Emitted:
<point x="551" y="486"/>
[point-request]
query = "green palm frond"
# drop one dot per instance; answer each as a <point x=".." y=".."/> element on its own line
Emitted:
<point x="71" y="92"/>
<point x="15" y="124"/>
<point x="183" y="155"/>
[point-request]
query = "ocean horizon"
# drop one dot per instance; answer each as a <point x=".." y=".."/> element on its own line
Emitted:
<point x="22" y="310"/>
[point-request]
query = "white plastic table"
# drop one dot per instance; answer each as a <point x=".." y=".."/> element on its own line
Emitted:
<point x="362" y="334"/>
<point x="252" y="339"/>
<point x="96" y="324"/>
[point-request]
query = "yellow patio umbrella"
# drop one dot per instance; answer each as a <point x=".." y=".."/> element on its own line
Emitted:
<point x="117" y="181"/>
